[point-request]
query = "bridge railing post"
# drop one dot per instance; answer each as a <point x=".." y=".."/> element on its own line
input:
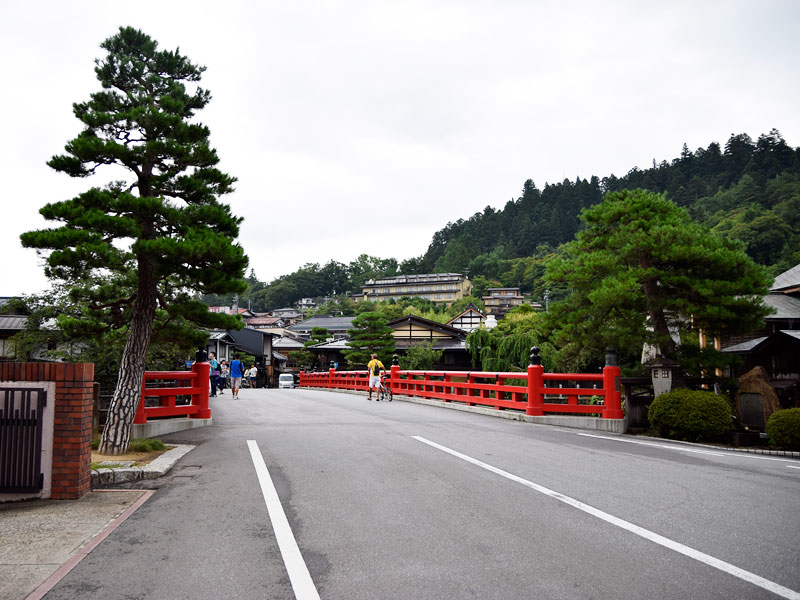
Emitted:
<point x="200" y="393"/>
<point x="611" y="384"/>
<point x="535" y="384"/>
<point x="394" y="374"/>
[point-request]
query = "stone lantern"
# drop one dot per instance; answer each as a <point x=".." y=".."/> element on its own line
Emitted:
<point x="661" y="371"/>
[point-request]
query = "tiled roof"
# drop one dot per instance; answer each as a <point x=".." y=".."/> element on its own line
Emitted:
<point x="330" y="323"/>
<point x="786" y="307"/>
<point x="434" y="325"/>
<point x="747" y="346"/>
<point x="340" y="344"/>
<point x="787" y="279"/>
<point x="263" y="320"/>
<point x="751" y="345"/>
<point x="400" y="344"/>
<point x="12" y="322"/>
<point x="421" y="278"/>
<point x="287" y="343"/>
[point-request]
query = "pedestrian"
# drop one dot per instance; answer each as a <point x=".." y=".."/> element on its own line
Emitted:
<point x="237" y="367"/>
<point x="252" y="374"/>
<point x="223" y="375"/>
<point x="213" y="373"/>
<point x="374" y="367"/>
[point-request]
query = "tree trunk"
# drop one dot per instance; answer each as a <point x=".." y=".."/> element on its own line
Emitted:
<point x="666" y="344"/>
<point x="125" y="401"/>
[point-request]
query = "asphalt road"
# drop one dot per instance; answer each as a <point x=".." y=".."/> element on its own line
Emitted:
<point x="398" y="500"/>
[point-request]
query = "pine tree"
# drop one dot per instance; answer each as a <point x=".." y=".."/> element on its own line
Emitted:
<point x="136" y="250"/>
<point x="370" y="333"/>
<point x="642" y="268"/>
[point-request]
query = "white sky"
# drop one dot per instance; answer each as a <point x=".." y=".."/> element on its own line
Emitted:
<point x="425" y="111"/>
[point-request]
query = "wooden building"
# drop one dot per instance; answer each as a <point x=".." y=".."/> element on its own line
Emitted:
<point x="501" y="300"/>
<point x="470" y="319"/>
<point x="409" y="331"/>
<point x="776" y="345"/>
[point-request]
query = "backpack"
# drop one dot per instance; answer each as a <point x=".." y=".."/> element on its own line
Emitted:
<point x="376" y="369"/>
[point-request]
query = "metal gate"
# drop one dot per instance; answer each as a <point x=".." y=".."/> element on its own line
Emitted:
<point x="21" y="416"/>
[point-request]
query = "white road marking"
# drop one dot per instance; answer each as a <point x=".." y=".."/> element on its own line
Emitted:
<point x="684" y="449"/>
<point x="766" y="584"/>
<point x="792" y="467"/>
<point x="652" y="444"/>
<point x="302" y="584"/>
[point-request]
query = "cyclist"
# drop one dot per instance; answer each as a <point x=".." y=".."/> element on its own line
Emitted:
<point x="374" y="367"/>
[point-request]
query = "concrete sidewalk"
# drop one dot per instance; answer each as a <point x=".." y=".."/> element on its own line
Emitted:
<point x="42" y="540"/>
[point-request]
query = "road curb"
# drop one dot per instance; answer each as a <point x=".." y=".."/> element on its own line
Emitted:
<point x="105" y="477"/>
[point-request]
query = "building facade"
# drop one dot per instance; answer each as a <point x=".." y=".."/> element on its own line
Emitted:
<point x="441" y="288"/>
<point x="408" y="331"/>
<point x="469" y="320"/>
<point x="501" y="300"/>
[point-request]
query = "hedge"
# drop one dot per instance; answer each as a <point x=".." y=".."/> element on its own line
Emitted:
<point x="783" y="429"/>
<point x="690" y="415"/>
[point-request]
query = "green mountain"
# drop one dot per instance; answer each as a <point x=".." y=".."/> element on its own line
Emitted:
<point x="748" y="190"/>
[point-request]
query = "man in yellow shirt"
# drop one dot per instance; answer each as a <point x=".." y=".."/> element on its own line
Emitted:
<point x="374" y="367"/>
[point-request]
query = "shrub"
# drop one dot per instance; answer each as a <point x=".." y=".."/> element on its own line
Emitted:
<point x="690" y="415"/>
<point x="783" y="428"/>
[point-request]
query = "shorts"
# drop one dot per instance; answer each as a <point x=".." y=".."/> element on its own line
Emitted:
<point x="236" y="382"/>
<point x="374" y="381"/>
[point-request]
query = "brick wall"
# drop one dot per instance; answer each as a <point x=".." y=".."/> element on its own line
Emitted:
<point x="72" y="441"/>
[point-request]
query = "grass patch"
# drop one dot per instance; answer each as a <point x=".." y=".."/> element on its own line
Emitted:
<point x="146" y="445"/>
<point x="137" y="445"/>
<point x="95" y="466"/>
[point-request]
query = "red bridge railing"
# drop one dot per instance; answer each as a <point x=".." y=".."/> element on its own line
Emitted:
<point x="168" y="386"/>
<point x="534" y="391"/>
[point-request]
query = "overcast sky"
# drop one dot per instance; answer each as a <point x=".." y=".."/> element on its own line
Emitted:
<point x="328" y="112"/>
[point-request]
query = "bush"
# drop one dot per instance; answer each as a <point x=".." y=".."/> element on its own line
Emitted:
<point x="783" y="428"/>
<point x="690" y="415"/>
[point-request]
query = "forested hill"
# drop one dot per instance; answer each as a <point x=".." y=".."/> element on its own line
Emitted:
<point x="748" y="190"/>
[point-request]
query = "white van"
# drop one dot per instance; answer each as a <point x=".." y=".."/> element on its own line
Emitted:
<point x="286" y="380"/>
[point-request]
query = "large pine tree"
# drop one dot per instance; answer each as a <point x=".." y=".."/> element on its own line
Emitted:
<point x="642" y="269"/>
<point x="136" y="250"/>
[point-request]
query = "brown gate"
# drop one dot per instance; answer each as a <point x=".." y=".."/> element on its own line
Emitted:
<point x="21" y="416"/>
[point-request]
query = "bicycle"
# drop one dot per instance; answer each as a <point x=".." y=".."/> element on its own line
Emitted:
<point x="384" y="393"/>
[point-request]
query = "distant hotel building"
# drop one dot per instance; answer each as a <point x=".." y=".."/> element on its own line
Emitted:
<point x="501" y="300"/>
<point x="442" y="288"/>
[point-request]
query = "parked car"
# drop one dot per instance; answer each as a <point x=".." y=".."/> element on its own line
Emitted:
<point x="286" y="380"/>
